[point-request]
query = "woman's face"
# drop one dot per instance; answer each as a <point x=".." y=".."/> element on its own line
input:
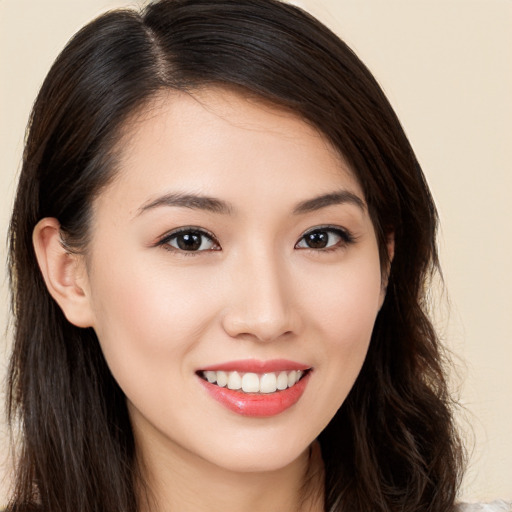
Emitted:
<point x="234" y="246"/>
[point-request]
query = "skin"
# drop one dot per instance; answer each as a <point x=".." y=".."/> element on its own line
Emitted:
<point x="256" y="291"/>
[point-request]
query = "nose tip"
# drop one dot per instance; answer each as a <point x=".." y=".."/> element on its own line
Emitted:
<point x="262" y="306"/>
<point x="262" y="330"/>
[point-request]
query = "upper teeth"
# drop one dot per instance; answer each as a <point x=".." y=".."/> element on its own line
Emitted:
<point x="254" y="382"/>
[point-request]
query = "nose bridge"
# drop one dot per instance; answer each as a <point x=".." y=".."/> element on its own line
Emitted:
<point x="262" y="303"/>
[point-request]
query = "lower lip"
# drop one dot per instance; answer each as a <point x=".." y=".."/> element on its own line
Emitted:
<point x="258" y="405"/>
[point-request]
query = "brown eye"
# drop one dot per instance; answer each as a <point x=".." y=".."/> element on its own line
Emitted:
<point x="324" y="238"/>
<point x="190" y="241"/>
<point x="317" y="239"/>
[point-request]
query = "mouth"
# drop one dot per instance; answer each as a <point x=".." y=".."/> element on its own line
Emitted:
<point x="252" y="389"/>
<point x="254" y="383"/>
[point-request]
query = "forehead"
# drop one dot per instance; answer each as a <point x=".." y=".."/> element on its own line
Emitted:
<point x="224" y="143"/>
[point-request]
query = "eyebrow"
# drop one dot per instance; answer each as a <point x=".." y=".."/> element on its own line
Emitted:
<point x="194" y="201"/>
<point x="214" y="205"/>
<point x="325" y="200"/>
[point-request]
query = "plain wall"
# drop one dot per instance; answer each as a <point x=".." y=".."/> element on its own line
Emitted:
<point x="446" y="66"/>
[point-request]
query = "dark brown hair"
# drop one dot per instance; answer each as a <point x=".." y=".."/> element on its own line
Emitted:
<point x="392" y="444"/>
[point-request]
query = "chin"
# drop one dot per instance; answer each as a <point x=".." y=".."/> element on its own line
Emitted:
<point x="258" y="457"/>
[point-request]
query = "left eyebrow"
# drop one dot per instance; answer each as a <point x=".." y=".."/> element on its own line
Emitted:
<point x="334" y="198"/>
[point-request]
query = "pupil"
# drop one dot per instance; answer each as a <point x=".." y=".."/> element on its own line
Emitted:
<point x="317" y="240"/>
<point x="189" y="242"/>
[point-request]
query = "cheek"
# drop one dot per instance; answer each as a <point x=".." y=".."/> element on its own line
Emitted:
<point x="146" y="319"/>
<point x="345" y="302"/>
<point x="148" y="326"/>
<point x="343" y="313"/>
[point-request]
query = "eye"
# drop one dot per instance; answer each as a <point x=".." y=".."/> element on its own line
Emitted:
<point x="190" y="240"/>
<point x="325" y="238"/>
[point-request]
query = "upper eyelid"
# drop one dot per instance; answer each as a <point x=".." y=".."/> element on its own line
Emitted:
<point x="204" y="231"/>
<point x="327" y="227"/>
<point x="188" y="229"/>
<point x="348" y="236"/>
<point x="324" y="226"/>
<point x="167" y="236"/>
<point x="165" y="241"/>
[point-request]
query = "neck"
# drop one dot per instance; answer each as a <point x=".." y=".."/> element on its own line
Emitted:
<point x="181" y="482"/>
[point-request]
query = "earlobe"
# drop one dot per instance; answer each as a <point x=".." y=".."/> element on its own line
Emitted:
<point x="63" y="273"/>
<point x="390" y="248"/>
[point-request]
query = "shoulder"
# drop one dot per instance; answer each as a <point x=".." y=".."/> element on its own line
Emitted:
<point x="495" y="506"/>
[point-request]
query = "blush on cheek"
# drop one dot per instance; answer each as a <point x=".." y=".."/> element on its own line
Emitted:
<point x="351" y="313"/>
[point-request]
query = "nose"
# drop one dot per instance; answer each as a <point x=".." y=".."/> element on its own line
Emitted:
<point x="262" y="303"/>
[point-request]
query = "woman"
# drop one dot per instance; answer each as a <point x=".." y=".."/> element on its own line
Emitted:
<point x="220" y="249"/>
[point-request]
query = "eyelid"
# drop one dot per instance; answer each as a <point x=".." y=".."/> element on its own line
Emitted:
<point x="164" y="239"/>
<point x="346" y="235"/>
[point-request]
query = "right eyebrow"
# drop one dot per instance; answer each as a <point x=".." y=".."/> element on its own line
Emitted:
<point x="193" y="201"/>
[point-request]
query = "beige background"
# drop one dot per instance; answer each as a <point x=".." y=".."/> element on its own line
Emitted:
<point x="446" y="66"/>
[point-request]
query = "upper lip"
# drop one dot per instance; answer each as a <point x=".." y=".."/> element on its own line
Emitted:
<point x="257" y="366"/>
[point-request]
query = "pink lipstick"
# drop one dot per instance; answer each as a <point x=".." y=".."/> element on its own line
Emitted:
<point x="256" y="388"/>
<point x="256" y="366"/>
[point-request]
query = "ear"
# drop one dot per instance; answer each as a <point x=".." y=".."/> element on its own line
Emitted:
<point x="64" y="273"/>
<point x="390" y="247"/>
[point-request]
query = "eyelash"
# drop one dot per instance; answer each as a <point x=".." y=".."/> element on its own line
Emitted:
<point x="190" y="230"/>
<point x="346" y="239"/>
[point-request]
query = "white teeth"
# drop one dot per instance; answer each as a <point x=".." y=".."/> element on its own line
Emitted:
<point x="282" y="381"/>
<point x="234" y="380"/>
<point x="268" y="383"/>
<point x="222" y="379"/>
<point x="253" y="382"/>
<point x="210" y="376"/>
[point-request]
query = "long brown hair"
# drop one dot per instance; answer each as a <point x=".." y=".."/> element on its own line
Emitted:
<point x="392" y="445"/>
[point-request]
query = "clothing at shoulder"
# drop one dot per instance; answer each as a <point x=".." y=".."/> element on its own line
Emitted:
<point x="495" y="506"/>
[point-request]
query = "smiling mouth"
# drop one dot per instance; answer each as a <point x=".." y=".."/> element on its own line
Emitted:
<point x="254" y="383"/>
